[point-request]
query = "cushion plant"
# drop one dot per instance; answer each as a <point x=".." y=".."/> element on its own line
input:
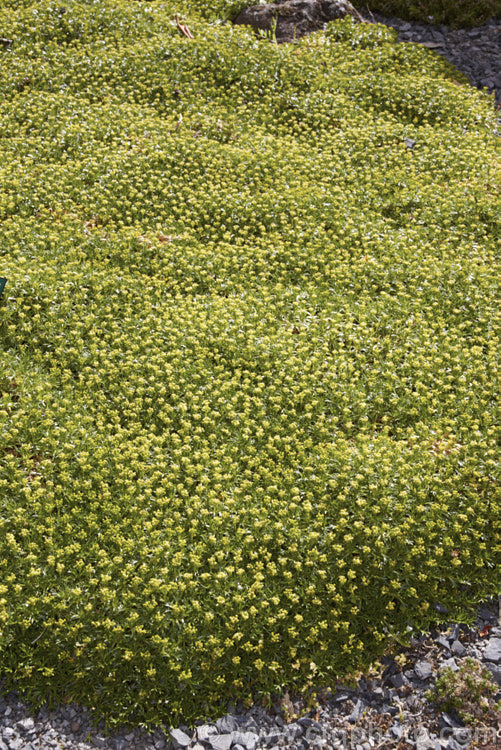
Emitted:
<point x="249" y="363"/>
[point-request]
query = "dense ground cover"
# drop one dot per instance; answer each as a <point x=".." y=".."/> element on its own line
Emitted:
<point x="452" y="12"/>
<point x="248" y="354"/>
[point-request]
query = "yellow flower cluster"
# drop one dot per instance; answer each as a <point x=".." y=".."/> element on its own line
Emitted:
<point x="249" y="365"/>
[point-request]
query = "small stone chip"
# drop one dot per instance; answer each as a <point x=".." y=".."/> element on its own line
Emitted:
<point x="220" y="741"/>
<point x="356" y="713"/>
<point x="227" y="724"/>
<point x="423" y="669"/>
<point x="248" y="740"/>
<point x="205" y="731"/>
<point x="398" y="680"/>
<point x="458" y="649"/>
<point x="449" y="664"/>
<point x="493" y="651"/>
<point x="179" y="739"/>
<point x="26" y="725"/>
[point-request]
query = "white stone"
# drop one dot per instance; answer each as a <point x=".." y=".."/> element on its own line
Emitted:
<point x="220" y="741"/>
<point x="179" y="739"/>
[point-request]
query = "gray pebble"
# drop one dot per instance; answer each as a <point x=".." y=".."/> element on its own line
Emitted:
<point x="424" y="741"/>
<point x="398" y="680"/>
<point x="205" y="731"/>
<point x="454" y="633"/>
<point x="221" y="741"/>
<point x="462" y="735"/>
<point x="99" y="740"/>
<point x="449" y="664"/>
<point x="26" y="725"/>
<point x="340" y="698"/>
<point x="293" y="731"/>
<point x="180" y="739"/>
<point x="449" y="720"/>
<point x="227" y="724"/>
<point x="442" y="641"/>
<point x="396" y="731"/>
<point x="356" y="713"/>
<point x="493" y="651"/>
<point x="272" y="738"/>
<point x="249" y="740"/>
<point x="305" y="722"/>
<point x="458" y="649"/>
<point x="423" y="670"/>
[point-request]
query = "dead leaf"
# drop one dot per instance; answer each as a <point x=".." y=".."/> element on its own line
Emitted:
<point x="483" y="633"/>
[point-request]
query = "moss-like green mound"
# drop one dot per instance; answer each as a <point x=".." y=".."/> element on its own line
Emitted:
<point x="248" y="341"/>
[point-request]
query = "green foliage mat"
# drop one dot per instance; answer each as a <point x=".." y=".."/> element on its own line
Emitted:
<point x="249" y="357"/>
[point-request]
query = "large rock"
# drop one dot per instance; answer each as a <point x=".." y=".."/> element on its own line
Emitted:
<point x="295" y="18"/>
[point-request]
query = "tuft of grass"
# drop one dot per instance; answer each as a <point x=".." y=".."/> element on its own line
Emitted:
<point x="249" y="354"/>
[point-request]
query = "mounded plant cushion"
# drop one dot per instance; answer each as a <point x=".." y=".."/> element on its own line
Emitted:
<point x="249" y="354"/>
